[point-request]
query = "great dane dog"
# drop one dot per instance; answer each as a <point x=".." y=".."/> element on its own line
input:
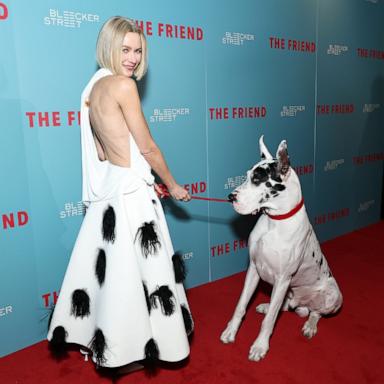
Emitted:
<point x="284" y="251"/>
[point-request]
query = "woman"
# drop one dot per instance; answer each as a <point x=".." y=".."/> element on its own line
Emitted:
<point x="122" y="295"/>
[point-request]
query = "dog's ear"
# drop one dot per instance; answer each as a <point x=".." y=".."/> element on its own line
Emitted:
<point x="283" y="158"/>
<point x="264" y="153"/>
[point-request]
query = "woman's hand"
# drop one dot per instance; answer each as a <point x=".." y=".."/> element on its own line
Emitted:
<point x="179" y="193"/>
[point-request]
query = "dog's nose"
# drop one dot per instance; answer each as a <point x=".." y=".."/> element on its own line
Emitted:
<point x="232" y="197"/>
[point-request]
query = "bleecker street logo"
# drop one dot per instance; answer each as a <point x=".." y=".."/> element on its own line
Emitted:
<point x="72" y="209"/>
<point x="237" y="38"/>
<point x="234" y="181"/>
<point x="3" y="11"/>
<point x="69" y="19"/>
<point x="167" y="114"/>
<point x="336" y="49"/>
<point x="291" y="110"/>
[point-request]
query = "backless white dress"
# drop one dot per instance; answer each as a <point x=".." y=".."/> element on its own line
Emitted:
<point x="122" y="295"/>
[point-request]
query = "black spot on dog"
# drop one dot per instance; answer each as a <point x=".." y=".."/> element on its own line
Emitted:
<point x="154" y="202"/>
<point x="148" y="238"/>
<point x="260" y="175"/>
<point x="321" y="262"/>
<point x="101" y="263"/>
<point x="167" y="302"/>
<point x="313" y="254"/>
<point x="274" y="172"/>
<point x="98" y="346"/>
<point x="188" y="322"/>
<point x="278" y="187"/>
<point x="268" y="184"/>
<point x="274" y="193"/>
<point x="147" y="297"/>
<point x="278" y="179"/>
<point x="58" y="345"/>
<point x="179" y="268"/>
<point x="80" y="303"/>
<point x="267" y="196"/>
<point x="329" y="273"/>
<point x="109" y="222"/>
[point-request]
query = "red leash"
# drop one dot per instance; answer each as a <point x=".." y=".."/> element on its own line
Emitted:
<point x="166" y="194"/>
<point x="210" y="199"/>
<point x="287" y="215"/>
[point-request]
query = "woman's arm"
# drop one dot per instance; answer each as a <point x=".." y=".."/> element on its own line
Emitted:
<point x="129" y="101"/>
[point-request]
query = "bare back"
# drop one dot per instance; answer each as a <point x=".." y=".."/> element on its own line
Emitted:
<point x="111" y="133"/>
<point x="116" y="116"/>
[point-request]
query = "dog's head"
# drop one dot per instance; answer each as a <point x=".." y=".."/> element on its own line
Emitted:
<point x="266" y="182"/>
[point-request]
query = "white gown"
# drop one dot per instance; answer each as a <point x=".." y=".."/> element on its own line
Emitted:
<point x="122" y="295"/>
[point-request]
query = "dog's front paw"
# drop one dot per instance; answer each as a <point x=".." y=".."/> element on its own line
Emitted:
<point x="258" y="351"/>
<point x="229" y="334"/>
<point x="309" y="329"/>
<point x="262" y="308"/>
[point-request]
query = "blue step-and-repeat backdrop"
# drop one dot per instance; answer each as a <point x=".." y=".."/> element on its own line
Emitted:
<point x="221" y="73"/>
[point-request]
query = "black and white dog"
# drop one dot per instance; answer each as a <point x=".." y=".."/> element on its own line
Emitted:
<point x="284" y="251"/>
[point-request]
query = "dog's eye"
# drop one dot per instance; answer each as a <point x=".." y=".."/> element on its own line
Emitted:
<point x="260" y="175"/>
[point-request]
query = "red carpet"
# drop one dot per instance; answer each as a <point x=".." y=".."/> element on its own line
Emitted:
<point x="349" y="347"/>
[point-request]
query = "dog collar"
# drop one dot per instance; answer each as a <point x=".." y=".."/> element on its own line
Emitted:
<point x="288" y="214"/>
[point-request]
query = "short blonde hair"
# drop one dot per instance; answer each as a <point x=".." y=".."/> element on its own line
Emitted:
<point x="110" y="42"/>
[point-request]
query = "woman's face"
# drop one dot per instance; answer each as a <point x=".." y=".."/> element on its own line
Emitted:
<point x="131" y="52"/>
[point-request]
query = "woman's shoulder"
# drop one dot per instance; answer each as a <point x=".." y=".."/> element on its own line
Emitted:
<point x="116" y="86"/>
<point x="118" y="82"/>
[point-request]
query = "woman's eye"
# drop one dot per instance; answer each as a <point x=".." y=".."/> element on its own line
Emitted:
<point x="125" y="50"/>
